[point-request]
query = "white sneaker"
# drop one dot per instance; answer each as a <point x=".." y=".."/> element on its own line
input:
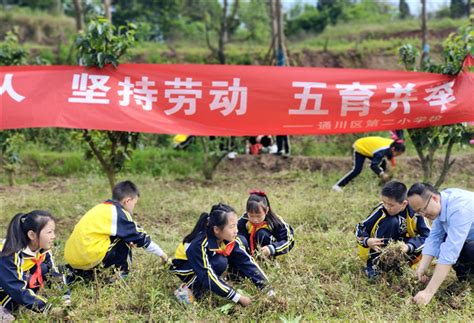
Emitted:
<point x="337" y="188"/>
<point x="232" y="155"/>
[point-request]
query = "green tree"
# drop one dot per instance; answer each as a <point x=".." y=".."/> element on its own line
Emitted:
<point x="223" y="26"/>
<point x="459" y="8"/>
<point x="428" y="141"/>
<point x="403" y="9"/>
<point x="332" y="8"/>
<point x="162" y="16"/>
<point x="212" y="155"/>
<point x="255" y="20"/>
<point x="311" y="20"/>
<point x="11" y="53"/>
<point x="100" y="45"/>
<point x="367" y="11"/>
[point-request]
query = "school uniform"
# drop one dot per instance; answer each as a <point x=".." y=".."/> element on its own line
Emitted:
<point x="405" y="226"/>
<point x="103" y="235"/>
<point x="373" y="148"/>
<point x="22" y="274"/>
<point x="201" y="263"/>
<point x="279" y="239"/>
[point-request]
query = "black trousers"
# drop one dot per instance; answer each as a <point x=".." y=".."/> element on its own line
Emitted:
<point x="119" y="256"/>
<point x="283" y="143"/>
<point x="358" y="162"/>
<point x="464" y="267"/>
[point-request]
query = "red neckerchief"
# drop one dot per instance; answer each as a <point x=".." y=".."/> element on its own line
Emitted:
<point x="227" y="250"/>
<point x="36" y="280"/>
<point x="253" y="230"/>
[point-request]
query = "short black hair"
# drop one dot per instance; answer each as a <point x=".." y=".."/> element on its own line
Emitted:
<point x="395" y="190"/>
<point x="422" y="189"/>
<point x="123" y="190"/>
<point x="398" y="145"/>
<point x="266" y="141"/>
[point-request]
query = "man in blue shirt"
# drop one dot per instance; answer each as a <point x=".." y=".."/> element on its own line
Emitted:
<point x="451" y="239"/>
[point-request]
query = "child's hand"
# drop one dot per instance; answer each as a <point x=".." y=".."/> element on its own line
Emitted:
<point x="385" y="177"/>
<point x="164" y="258"/>
<point x="244" y="300"/>
<point x="266" y="251"/>
<point x="405" y="248"/>
<point x="375" y="243"/>
<point x="66" y="300"/>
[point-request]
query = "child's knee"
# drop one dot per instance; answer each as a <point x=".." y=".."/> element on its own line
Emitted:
<point x="388" y="228"/>
<point x="263" y="237"/>
<point x="244" y="241"/>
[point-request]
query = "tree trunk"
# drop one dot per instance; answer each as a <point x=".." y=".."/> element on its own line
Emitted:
<point x="206" y="168"/>
<point x="111" y="178"/>
<point x="108" y="167"/>
<point x="270" y="56"/>
<point x="79" y="15"/>
<point x="470" y="12"/>
<point x="446" y="164"/>
<point x="424" y="32"/>
<point x="282" y="59"/>
<point x="11" y="177"/>
<point x="223" y="34"/>
<point x="108" y="9"/>
<point x="421" y="156"/>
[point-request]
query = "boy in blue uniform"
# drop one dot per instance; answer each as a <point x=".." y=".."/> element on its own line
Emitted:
<point x="212" y="248"/>
<point x="393" y="219"/>
<point x="107" y="233"/>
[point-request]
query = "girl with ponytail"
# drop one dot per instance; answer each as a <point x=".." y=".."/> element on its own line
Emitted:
<point x="208" y="251"/>
<point x="26" y="261"/>
<point x="260" y="228"/>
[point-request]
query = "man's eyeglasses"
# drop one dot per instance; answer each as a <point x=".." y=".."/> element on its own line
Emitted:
<point x="423" y="210"/>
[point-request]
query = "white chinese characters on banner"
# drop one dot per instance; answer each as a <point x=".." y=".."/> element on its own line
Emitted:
<point x="306" y="96"/>
<point x="182" y="94"/>
<point x="140" y="90"/>
<point x="355" y="97"/>
<point x="7" y="87"/>
<point x="441" y="95"/>
<point x="95" y="93"/>
<point x="401" y="95"/>
<point x="221" y="97"/>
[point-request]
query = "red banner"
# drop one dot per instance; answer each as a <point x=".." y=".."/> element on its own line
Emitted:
<point x="230" y="100"/>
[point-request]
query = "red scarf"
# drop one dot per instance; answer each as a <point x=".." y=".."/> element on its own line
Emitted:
<point x="36" y="280"/>
<point x="227" y="249"/>
<point x="253" y="231"/>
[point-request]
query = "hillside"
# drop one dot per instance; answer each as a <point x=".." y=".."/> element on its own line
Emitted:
<point x="356" y="45"/>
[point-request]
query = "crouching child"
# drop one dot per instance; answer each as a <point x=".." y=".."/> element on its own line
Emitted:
<point x="211" y="249"/>
<point x="392" y="220"/>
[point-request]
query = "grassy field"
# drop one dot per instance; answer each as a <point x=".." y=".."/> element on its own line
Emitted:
<point x="321" y="279"/>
